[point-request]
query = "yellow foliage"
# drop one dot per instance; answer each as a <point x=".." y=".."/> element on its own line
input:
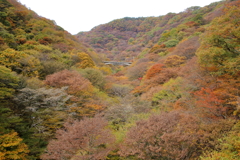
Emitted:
<point x="106" y="70"/>
<point x="83" y="60"/>
<point x="95" y="106"/>
<point x="10" y="58"/>
<point x="11" y="147"/>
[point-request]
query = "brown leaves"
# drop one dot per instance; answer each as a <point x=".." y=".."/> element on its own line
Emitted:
<point x="86" y="139"/>
<point x="175" y="135"/>
<point x="169" y="135"/>
<point x="77" y="84"/>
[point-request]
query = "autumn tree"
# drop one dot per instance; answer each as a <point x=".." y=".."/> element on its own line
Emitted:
<point x="157" y="77"/>
<point x="50" y="67"/>
<point x="174" y="61"/>
<point x="85" y="139"/>
<point x="210" y="103"/>
<point x="10" y="58"/>
<point x="80" y="88"/>
<point x="20" y="62"/>
<point x="229" y="147"/>
<point x="165" y="136"/>
<point x="220" y="44"/>
<point x="187" y="48"/>
<point x="169" y="93"/>
<point x="162" y="77"/>
<point x="43" y="112"/>
<point x="154" y="70"/>
<point x="83" y="60"/>
<point x="137" y="71"/>
<point x="174" y="135"/>
<point x="118" y="114"/>
<point x="120" y="90"/>
<point x="95" y="77"/>
<point x="77" y="85"/>
<point x="12" y="147"/>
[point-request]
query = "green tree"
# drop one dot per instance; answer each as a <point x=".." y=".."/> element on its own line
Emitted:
<point x="95" y="77"/>
<point x="171" y="43"/>
<point x="8" y="82"/>
<point x="170" y="93"/>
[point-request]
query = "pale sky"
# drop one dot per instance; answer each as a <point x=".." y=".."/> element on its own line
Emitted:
<point x="82" y="15"/>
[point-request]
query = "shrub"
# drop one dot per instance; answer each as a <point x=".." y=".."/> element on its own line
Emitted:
<point x="171" y="43"/>
<point x="95" y="77"/>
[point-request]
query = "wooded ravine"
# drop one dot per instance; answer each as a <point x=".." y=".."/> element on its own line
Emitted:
<point x="177" y="96"/>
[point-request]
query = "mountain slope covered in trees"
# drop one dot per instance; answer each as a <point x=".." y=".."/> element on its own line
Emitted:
<point x="179" y="99"/>
<point x="124" y="39"/>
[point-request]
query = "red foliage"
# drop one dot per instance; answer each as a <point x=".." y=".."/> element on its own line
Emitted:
<point x="77" y="84"/>
<point x="210" y="103"/>
<point x="160" y="136"/>
<point x="174" y="135"/>
<point x="85" y="139"/>
<point x="45" y="41"/>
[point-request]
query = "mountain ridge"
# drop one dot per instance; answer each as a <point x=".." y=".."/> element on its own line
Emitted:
<point x="128" y="36"/>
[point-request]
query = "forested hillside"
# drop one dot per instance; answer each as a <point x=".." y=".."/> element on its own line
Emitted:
<point x="34" y="101"/>
<point x="127" y="38"/>
<point x="179" y="99"/>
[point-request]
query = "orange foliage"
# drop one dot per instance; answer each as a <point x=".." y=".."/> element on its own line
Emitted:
<point x="157" y="48"/>
<point x="171" y="49"/>
<point x="155" y="77"/>
<point x="191" y="24"/>
<point x="210" y="103"/>
<point x="154" y="70"/>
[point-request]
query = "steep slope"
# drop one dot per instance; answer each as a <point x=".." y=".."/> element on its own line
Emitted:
<point x="127" y="38"/>
<point x="41" y="41"/>
<point x="31" y="49"/>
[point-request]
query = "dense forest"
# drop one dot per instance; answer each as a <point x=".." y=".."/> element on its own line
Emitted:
<point x="178" y="100"/>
